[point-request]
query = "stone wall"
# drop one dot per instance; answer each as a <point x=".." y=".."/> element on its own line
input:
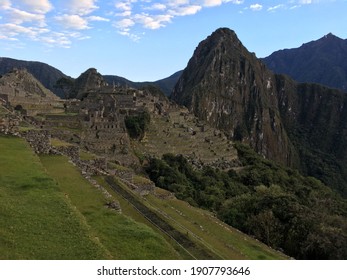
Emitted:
<point x="73" y="152"/>
<point x="39" y="140"/>
<point x="9" y="124"/>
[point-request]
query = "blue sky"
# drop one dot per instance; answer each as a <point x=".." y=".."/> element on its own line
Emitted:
<point x="146" y="40"/>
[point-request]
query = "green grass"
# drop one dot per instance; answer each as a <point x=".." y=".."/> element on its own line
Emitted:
<point x="121" y="236"/>
<point x="84" y="155"/>
<point x="55" y="142"/>
<point x="36" y="220"/>
<point x="224" y="240"/>
<point x="130" y="211"/>
<point x="205" y="229"/>
<point x="111" y="165"/>
<point x="140" y="180"/>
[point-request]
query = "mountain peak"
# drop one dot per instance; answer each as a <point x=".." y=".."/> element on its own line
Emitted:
<point x="322" y="61"/>
<point x="222" y="79"/>
<point x="224" y="31"/>
<point x="223" y="34"/>
<point x="331" y="36"/>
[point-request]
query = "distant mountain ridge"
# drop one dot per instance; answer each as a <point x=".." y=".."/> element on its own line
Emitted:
<point x="46" y="74"/>
<point x="165" y="85"/>
<point x="323" y="61"/>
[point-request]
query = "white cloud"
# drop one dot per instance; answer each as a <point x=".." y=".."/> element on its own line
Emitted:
<point x="81" y="7"/>
<point x="72" y="22"/>
<point x="185" y="10"/>
<point x="176" y="3"/>
<point x="62" y="22"/>
<point x="237" y="2"/>
<point x="37" y="6"/>
<point x="256" y="7"/>
<point x="152" y="21"/>
<point x="124" y="6"/>
<point x="97" y="18"/>
<point x="305" y="2"/>
<point x="156" y="7"/>
<point x="212" y="3"/>
<point x="18" y="17"/>
<point x="5" y="4"/>
<point x="124" y="23"/>
<point x="155" y="14"/>
<point x="274" y="8"/>
<point x="11" y="31"/>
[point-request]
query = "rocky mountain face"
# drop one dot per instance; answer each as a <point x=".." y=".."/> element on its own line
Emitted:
<point x="323" y="61"/>
<point x="299" y="125"/>
<point x="228" y="87"/>
<point x="315" y="118"/>
<point x="44" y="73"/>
<point x="90" y="80"/>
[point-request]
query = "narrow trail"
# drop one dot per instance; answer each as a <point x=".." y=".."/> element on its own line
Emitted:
<point x="195" y="251"/>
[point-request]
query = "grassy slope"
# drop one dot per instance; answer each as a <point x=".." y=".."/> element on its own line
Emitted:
<point x="122" y="236"/>
<point x="60" y="215"/>
<point x="36" y="220"/>
<point x="225" y="241"/>
<point x="76" y="225"/>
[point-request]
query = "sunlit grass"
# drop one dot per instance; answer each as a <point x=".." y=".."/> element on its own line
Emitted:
<point x="36" y="220"/>
<point x="121" y="236"/>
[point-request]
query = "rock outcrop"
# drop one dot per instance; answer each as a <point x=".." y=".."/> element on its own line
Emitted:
<point x="300" y="125"/>
<point x="232" y="90"/>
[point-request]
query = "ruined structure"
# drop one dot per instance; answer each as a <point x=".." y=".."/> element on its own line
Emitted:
<point x="23" y="92"/>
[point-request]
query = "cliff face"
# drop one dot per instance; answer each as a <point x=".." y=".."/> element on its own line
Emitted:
<point x="231" y="89"/>
<point x="300" y="125"/>
<point x="315" y="118"/>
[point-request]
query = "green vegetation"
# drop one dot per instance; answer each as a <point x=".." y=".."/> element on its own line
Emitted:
<point x="84" y="155"/>
<point x="275" y="204"/>
<point x="49" y="211"/>
<point x="55" y="142"/>
<point x="201" y="226"/>
<point x="37" y="221"/>
<point x="137" y="125"/>
<point x="225" y="241"/>
<point x="121" y="236"/>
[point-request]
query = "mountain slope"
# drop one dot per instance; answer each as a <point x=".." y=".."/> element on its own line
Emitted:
<point x="20" y="83"/>
<point x="165" y="85"/>
<point x="300" y="125"/>
<point x="231" y="89"/>
<point x="45" y="73"/>
<point x="49" y="76"/>
<point x="323" y="61"/>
